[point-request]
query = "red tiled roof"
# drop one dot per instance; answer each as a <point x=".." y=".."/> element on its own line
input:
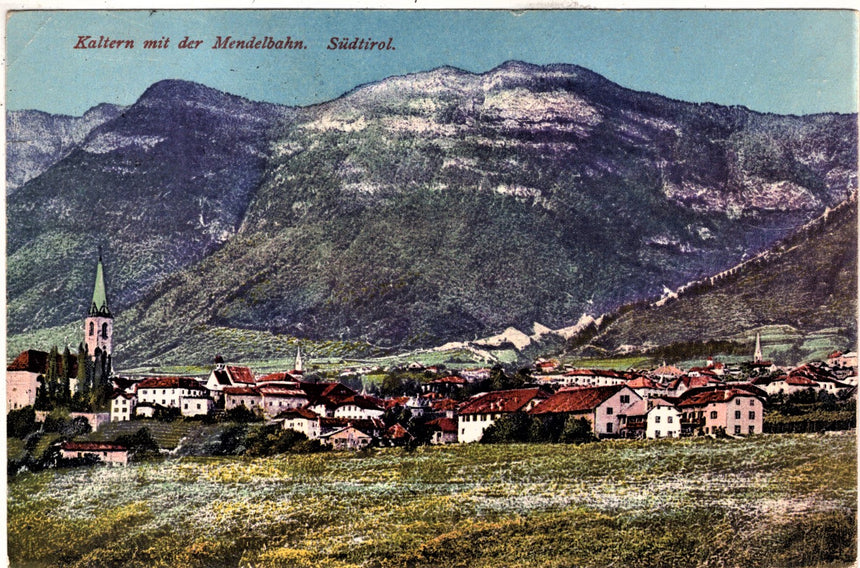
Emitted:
<point x="667" y="370"/>
<point x="691" y="382"/>
<point x="443" y="424"/>
<point x="363" y="423"/>
<point x="301" y="412"/>
<point x="31" y="360"/>
<point x="814" y="373"/>
<point x="334" y="391"/>
<point x="708" y="397"/>
<point x="244" y="391"/>
<point x="501" y="401"/>
<point x="241" y="374"/>
<point x="119" y="393"/>
<point x="170" y="383"/>
<point x="641" y="383"/>
<point x="395" y="401"/>
<point x="451" y="379"/>
<point x="593" y="373"/>
<point x="277" y="377"/>
<point x="34" y="361"/>
<point x="93" y="447"/>
<point x="445" y="404"/>
<point x="576" y="400"/>
<point x="397" y="432"/>
<point x="279" y="390"/>
<point x="702" y="371"/>
<point x="799" y="381"/>
<point x="363" y="402"/>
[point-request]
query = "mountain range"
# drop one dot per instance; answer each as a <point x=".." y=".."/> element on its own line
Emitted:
<point x="420" y="209"/>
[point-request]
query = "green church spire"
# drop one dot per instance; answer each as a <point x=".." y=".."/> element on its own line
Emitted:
<point x="99" y="306"/>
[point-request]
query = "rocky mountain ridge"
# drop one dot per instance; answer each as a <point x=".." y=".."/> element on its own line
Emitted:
<point x="420" y="209"/>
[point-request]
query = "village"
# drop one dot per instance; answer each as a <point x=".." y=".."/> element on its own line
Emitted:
<point x="451" y="406"/>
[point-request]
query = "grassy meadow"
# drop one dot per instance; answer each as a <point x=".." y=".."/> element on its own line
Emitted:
<point x="780" y="500"/>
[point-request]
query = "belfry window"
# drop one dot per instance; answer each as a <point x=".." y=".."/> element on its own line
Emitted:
<point x="104" y="330"/>
<point x="92" y="328"/>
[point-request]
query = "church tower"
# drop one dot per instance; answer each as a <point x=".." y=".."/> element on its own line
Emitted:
<point x="757" y="356"/>
<point x="299" y="366"/>
<point x="98" y="326"/>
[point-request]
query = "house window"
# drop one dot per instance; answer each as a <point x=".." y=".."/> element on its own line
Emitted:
<point x="669" y="419"/>
<point x="713" y="415"/>
<point x="738" y="401"/>
<point x="752" y="402"/>
<point x="737" y="429"/>
<point x="752" y="429"/>
<point x="737" y="414"/>
<point x="656" y="433"/>
<point x="198" y="406"/>
<point x="609" y="427"/>
<point x="625" y="398"/>
<point x="752" y="414"/>
<point x="608" y="410"/>
<point x="657" y="419"/>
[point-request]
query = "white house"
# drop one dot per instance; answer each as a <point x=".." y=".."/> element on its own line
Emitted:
<point x="593" y="378"/>
<point x="169" y="392"/>
<point x="196" y="405"/>
<point x="663" y="420"/>
<point x="482" y="411"/>
<point x="359" y="408"/>
<point x="122" y="406"/>
<point x="302" y="420"/>
<point x="249" y="397"/>
<point x="276" y="399"/>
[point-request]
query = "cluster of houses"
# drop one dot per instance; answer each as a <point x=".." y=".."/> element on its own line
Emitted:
<point x="665" y="402"/>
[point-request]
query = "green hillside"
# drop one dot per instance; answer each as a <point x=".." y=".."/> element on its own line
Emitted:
<point x="806" y="288"/>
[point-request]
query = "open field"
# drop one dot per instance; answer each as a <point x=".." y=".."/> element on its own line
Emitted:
<point x="782" y="500"/>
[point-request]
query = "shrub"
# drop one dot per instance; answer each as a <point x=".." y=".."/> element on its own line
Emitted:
<point x="140" y="444"/>
<point x="20" y="423"/>
<point x="577" y="431"/>
<point x="511" y="428"/>
<point x="273" y="439"/>
<point x="242" y="415"/>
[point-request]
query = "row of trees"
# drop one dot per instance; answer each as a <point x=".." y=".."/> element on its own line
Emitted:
<point x="92" y="375"/>
<point x="522" y="428"/>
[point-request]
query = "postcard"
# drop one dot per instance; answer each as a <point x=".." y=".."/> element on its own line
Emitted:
<point x="380" y="288"/>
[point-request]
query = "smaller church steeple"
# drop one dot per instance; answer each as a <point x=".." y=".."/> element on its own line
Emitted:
<point x="757" y="357"/>
<point x="298" y="366"/>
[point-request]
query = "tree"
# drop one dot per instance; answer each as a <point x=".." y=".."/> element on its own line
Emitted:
<point x="548" y="428"/>
<point x="65" y="375"/>
<point x="83" y="377"/>
<point x="21" y="422"/>
<point x="140" y="444"/>
<point x="576" y="431"/>
<point x="52" y="375"/>
<point x="43" y="402"/>
<point x="77" y="426"/>
<point x="511" y="428"/>
<point x="241" y="414"/>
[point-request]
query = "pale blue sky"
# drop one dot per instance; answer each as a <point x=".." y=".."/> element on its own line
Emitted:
<point x="773" y="61"/>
